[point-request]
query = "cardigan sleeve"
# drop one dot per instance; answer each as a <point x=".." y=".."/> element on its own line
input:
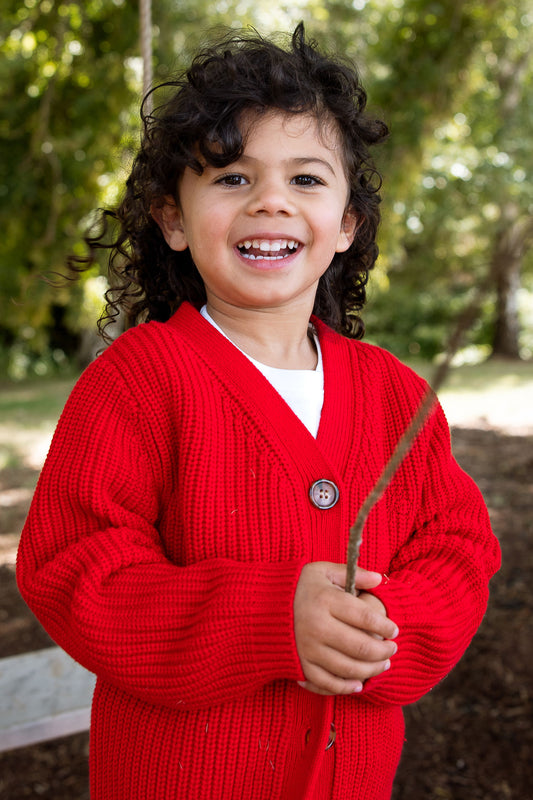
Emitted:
<point x="437" y="590"/>
<point x="92" y="567"/>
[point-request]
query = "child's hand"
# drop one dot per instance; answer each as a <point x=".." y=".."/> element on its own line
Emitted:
<point x="341" y="639"/>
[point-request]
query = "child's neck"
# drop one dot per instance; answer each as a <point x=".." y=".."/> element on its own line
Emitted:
<point x="273" y="338"/>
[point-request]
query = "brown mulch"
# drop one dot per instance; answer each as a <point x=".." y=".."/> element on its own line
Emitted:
<point x="471" y="738"/>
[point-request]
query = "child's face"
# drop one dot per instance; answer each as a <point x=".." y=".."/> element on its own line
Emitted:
<point x="263" y="230"/>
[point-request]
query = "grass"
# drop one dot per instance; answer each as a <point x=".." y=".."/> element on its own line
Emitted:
<point x="29" y="411"/>
<point x="497" y="393"/>
<point x="35" y="401"/>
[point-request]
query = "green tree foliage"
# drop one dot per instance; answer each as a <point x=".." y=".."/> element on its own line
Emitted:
<point x="70" y="89"/>
<point x="452" y="79"/>
<point x="469" y="187"/>
<point x="66" y="93"/>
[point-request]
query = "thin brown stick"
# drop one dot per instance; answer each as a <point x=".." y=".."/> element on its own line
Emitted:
<point x="401" y="450"/>
<point x="409" y="437"/>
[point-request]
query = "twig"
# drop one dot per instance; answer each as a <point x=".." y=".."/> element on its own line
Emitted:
<point x="401" y="450"/>
<point x="409" y="437"/>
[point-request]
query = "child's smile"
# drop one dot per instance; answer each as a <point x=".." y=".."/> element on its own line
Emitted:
<point x="264" y="229"/>
<point x="267" y="250"/>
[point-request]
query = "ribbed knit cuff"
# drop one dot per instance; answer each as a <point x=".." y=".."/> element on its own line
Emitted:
<point x="272" y="620"/>
<point x="434" y="633"/>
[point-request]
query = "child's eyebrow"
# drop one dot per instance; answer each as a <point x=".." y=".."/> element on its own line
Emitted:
<point x="302" y="161"/>
<point x="313" y="160"/>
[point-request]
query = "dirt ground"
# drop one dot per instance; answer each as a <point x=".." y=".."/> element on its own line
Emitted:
<point x="471" y="738"/>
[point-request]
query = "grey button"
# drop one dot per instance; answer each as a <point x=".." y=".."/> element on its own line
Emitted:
<point x="324" y="494"/>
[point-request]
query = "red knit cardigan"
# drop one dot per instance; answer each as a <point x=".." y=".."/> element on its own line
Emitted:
<point x="166" y="538"/>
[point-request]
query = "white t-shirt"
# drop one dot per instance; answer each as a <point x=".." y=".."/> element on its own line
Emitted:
<point x="302" y="389"/>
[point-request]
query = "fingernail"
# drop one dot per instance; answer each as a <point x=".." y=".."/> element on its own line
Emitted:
<point x="395" y="649"/>
<point x="387" y="665"/>
<point x="396" y="632"/>
<point x="358" y="688"/>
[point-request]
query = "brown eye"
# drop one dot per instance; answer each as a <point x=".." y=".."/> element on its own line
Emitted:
<point x="233" y="179"/>
<point x="307" y="180"/>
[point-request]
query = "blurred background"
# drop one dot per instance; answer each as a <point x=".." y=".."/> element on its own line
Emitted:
<point x="453" y="79"/>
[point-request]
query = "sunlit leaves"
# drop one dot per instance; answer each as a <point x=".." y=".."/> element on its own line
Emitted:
<point x="452" y="79"/>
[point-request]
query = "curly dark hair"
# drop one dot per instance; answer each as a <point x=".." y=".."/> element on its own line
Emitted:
<point x="201" y="118"/>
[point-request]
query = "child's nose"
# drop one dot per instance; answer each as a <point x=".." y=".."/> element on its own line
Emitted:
<point x="272" y="198"/>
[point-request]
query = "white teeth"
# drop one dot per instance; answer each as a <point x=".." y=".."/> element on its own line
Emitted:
<point x="268" y="246"/>
<point x="267" y="249"/>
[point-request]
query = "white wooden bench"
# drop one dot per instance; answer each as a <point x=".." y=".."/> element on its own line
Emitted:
<point x="43" y="695"/>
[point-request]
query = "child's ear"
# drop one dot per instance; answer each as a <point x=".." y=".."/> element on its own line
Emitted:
<point x="349" y="226"/>
<point x="169" y="218"/>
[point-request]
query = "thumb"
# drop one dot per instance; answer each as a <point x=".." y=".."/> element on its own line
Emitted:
<point x="364" y="579"/>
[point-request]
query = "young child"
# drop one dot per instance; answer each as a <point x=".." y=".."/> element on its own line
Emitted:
<point x="187" y="539"/>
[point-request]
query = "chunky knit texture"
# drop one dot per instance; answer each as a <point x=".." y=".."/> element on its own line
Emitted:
<point x="166" y="538"/>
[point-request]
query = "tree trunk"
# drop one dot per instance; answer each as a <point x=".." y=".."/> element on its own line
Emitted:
<point x="507" y="327"/>
<point x="509" y="249"/>
<point x="145" y="25"/>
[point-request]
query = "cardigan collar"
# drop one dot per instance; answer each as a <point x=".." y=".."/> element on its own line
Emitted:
<point x="342" y="413"/>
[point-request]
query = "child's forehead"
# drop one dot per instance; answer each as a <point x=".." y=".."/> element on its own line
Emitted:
<point x="300" y="126"/>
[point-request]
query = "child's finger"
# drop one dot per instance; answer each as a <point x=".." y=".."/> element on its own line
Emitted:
<point x="343" y="648"/>
<point x="360" y="616"/>
<point x="364" y="579"/>
<point x="340" y="675"/>
<point x="345" y="687"/>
